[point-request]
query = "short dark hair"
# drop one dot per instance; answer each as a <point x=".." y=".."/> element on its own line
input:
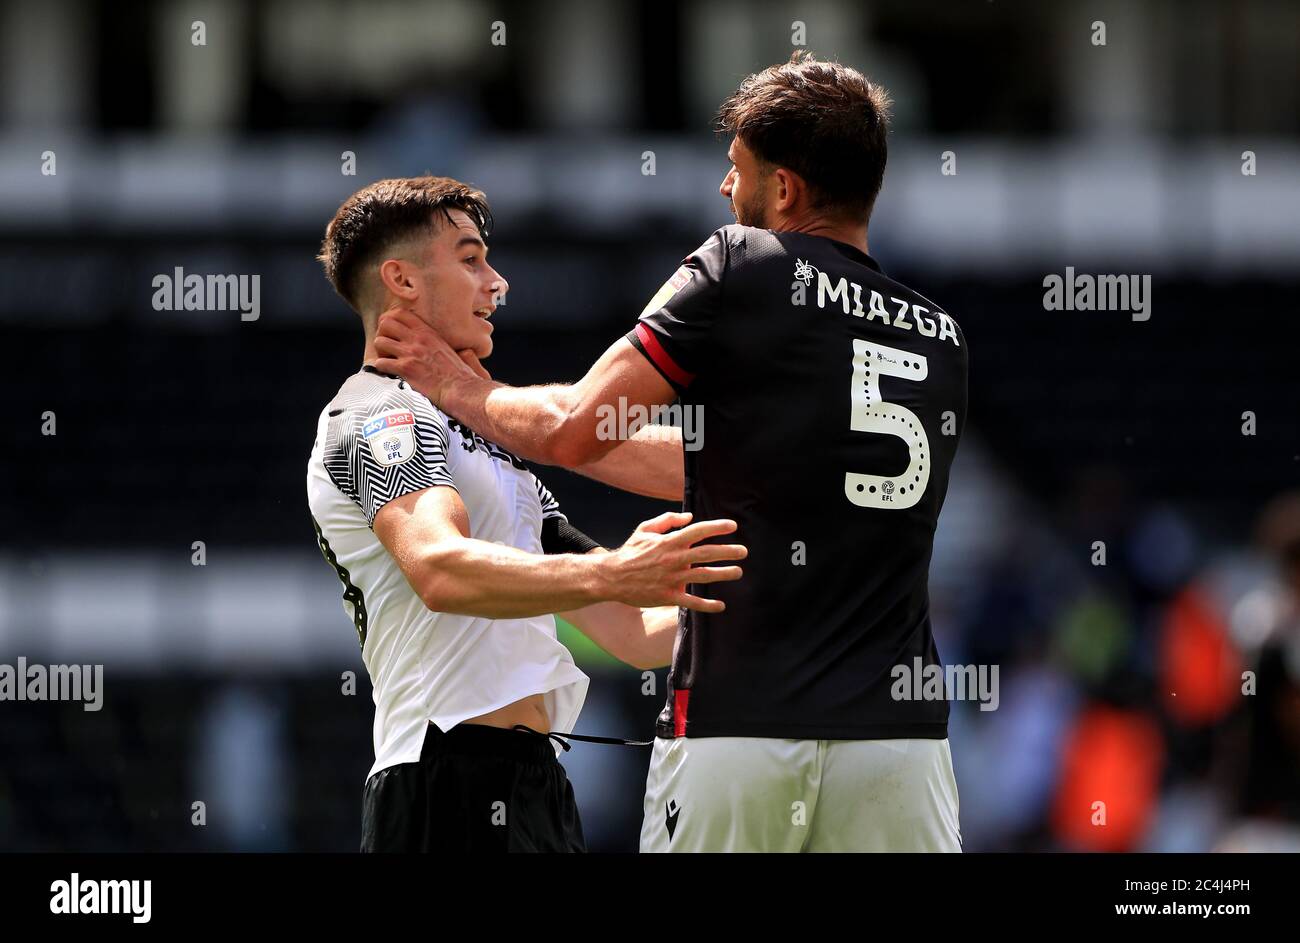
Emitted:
<point x="385" y="213"/>
<point x="823" y="120"/>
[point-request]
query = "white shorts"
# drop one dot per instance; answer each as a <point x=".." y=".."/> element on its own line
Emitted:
<point x="760" y="794"/>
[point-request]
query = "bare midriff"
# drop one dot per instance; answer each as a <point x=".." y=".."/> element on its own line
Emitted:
<point x="529" y="711"/>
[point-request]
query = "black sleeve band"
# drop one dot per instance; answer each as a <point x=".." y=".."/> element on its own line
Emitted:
<point x="559" y="536"/>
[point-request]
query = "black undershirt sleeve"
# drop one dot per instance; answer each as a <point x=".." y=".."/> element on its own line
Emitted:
<point x="559" y="536"/>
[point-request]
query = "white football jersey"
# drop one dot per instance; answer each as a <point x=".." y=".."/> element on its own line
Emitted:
<point x="377" y="440"/>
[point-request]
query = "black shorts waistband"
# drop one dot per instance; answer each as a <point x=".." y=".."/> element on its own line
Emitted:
<point x="481" y="740"/>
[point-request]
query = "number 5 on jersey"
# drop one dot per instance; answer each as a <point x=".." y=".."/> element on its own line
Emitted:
<point x="870" y="413"/>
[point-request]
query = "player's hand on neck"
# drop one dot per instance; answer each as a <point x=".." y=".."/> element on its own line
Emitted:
<point x="405" y="346"/>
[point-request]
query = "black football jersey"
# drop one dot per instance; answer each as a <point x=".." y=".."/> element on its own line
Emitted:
<point x="829" y="400"/>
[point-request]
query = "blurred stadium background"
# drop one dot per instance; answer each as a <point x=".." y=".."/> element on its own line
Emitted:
<point x="223" y="682"/>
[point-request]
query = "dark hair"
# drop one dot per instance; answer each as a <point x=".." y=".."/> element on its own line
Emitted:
<point x="822" y="120"/>
<point x="385" y="213"/>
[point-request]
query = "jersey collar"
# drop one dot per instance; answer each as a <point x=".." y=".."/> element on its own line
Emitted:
<point x="369" y="368"/>
<point x="856" y="254"/>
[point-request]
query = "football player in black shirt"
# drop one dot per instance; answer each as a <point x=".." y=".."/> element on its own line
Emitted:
<point x="834" y="398"/>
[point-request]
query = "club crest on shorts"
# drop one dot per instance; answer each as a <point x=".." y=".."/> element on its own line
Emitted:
<point x="391" y="437"/>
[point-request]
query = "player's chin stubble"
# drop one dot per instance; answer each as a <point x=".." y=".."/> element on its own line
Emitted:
<point x="751" y="213"/>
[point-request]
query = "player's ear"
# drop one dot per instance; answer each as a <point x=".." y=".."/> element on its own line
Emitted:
<point x="398" y="279"/>
<point x="790" y="190"/>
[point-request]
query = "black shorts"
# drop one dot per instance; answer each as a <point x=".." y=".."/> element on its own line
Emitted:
<point x="475" y="788"/>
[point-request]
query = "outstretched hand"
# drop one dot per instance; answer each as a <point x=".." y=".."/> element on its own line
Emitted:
<point x="659" y="560"/>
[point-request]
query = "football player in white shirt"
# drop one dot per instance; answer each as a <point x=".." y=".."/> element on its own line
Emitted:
<point x="453" y="556"/>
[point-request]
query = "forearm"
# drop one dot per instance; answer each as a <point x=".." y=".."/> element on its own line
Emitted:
<point x="659" y="627"/>
<point x="650" y="463"/>
<point x="427" y="534"/>
<point x="534" y="422"/>
<point x="473" y="577"/>
<point x="643" y="638"/>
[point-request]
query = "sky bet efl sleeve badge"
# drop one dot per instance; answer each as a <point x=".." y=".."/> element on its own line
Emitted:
<point x="391" y="437"/>
<point x="681" y="278"/>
